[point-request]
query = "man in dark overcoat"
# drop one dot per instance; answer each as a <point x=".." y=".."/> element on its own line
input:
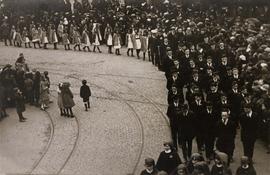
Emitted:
<point x="225" y="133"/>
<point x="186" y="125"/>
<point x="249" y="122"/>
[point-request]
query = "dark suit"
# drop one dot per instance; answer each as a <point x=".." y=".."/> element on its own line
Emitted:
<point x="225" y="137"/>
<point x="211" y="117"/>
<point x="186" y="125"/>
<point x="199" y="119"/>
<point x="173" y="113"/>
<point x="235" y="99"/>
<point x="249" y="131"/>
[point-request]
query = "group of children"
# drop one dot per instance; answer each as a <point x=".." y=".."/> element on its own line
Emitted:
<point x="65" y="98"/>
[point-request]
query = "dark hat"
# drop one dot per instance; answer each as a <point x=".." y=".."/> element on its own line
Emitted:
<point x="149" y="162"/>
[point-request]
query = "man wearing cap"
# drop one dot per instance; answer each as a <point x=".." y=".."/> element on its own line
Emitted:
<point x="249" y="122"/>
<point x="150" y="168"/>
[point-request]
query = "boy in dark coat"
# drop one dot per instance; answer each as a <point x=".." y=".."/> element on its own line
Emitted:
<point x="20" y="106"/>
<point x="149" y="167"/>
<point x="85" y="93"/>
<point x="168" y="159"/>
<point x="221" y="165"/>
<point x="246" y="168"/>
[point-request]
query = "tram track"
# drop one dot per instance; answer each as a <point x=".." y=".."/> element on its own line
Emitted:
<point x="137" y="117"/>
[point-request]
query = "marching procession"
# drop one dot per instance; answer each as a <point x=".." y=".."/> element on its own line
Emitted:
<point x="215" y="58"/>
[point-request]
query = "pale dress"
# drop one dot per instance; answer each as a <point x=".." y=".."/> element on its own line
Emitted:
<point x="96" y="43"/>
<point x="109" y="41"/>
<point x="130" y="43"/>
<point x="138" y="43"/>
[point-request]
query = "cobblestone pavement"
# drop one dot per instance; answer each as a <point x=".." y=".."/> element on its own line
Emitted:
<point x="125" y="124"/>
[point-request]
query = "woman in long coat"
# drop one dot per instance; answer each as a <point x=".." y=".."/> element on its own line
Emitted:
<point x="67" y="98"/>
<point x="44" y="99"/>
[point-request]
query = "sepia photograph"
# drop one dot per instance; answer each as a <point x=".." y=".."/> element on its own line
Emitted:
<point x="134" y="87"/>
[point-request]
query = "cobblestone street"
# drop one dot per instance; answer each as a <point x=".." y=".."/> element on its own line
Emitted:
<point x="127" y="121"/>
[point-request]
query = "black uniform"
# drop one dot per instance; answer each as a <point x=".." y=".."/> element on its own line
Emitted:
<point x="186" y="125"/>
<point x="168" y="162"/>
<point x="249" y="129"/>
<point x="225" y="137"/>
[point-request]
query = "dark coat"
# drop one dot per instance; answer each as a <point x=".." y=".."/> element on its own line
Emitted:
<point x="20" y="105"/>
<point x="220" y="171"/>
<point x="168" y="162"/>
<point x="225" y="137"/>
<point x="2" y="97"/>
<point x="186" y="125"/>
<point x="85" y="92"/>
<point x="210" y="121"/>
<point x="67" y="98"/>
<point x="249" y="171"/>
<point x="249" y="126"/>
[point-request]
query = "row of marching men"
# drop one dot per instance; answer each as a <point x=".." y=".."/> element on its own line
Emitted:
<point x="211" y="109"/>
